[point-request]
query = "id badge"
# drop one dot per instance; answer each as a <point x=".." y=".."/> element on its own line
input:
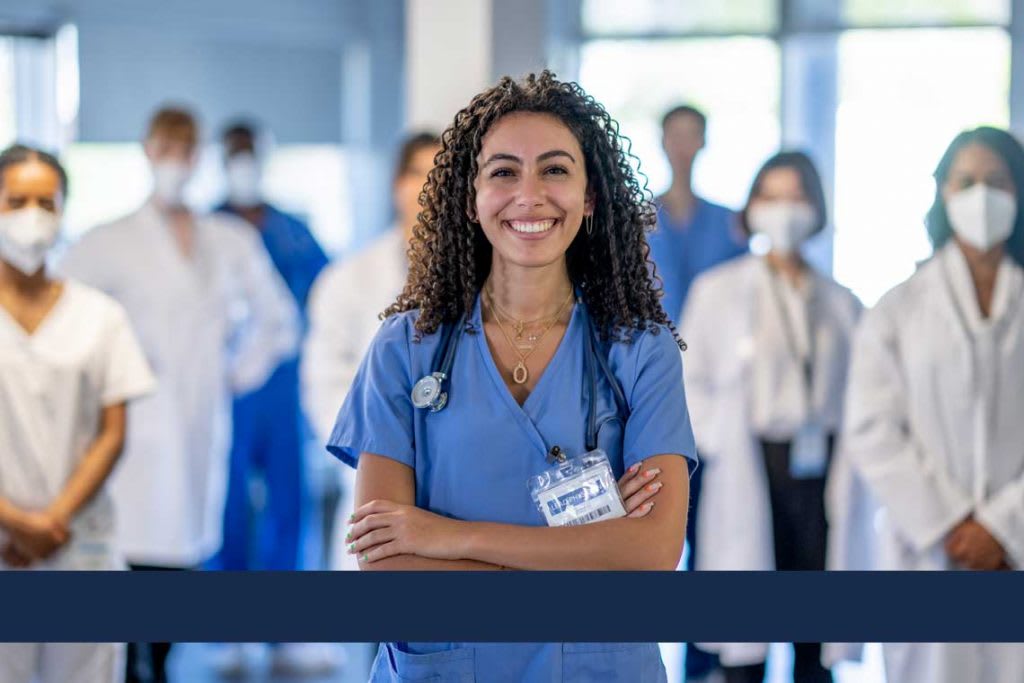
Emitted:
<point x="808" y="454"/>
<point x="578" y="491"/>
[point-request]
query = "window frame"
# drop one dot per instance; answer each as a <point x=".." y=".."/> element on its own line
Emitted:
<point x="807" y="31"/>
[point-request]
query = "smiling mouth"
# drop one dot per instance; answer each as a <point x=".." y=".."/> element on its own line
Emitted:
<point x="531" y="227"/>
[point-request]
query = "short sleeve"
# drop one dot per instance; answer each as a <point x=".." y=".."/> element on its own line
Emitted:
<point x="377" y="415"/>
<point x="659" y="422"/>
<point x="127" y="374"/>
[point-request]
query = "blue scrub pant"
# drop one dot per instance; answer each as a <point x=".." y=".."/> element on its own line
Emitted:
<point x="267" y="438"/>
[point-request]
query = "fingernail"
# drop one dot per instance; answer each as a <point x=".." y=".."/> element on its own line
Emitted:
<point x="365" y="557"/>
<point x="651" y="473"/>
<point x="650" y="505"/>
<point x="351" y="518"/>
<point x="654" y="487"/>
<point x="348" y="537"/>
<point x="634" y="468"/>
<point x="351" y="548"/>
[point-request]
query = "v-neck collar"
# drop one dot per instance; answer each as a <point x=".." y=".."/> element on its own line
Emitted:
<point x="964" y="299"/>
<point x="523" y="413"/>
<point x="151" y="215"/>
<point x="45" y="322"/>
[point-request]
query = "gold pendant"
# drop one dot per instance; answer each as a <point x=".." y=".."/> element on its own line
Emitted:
<point x="519" y="329"/>
<point x="520" y="373"/>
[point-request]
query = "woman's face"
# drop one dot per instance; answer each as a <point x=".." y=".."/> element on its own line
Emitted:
<point x="31" y="184"/>
<point x="780" y="184"/>
<point x="531" y="189"/>
<point x="976" y="163"/>
<point x="409" y="185"/>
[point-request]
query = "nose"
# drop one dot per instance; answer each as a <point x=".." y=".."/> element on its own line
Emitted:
<point x="531" y="192"/>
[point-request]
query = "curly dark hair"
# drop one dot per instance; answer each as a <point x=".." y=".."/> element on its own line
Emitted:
<point x="450" y="258"/>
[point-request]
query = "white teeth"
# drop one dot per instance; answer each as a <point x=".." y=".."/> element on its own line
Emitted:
<point x="532" y="226"/>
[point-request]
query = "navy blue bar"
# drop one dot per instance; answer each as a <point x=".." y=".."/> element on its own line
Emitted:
<point x="512" y="606"/>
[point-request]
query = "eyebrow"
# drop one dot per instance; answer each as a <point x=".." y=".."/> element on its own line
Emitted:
<point x="502" y="156"/>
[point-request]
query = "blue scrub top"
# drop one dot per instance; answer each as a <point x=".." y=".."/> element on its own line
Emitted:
<point x="294" y="251"/>
<point x="682" y="251"/>
<point x="472" y="461"/>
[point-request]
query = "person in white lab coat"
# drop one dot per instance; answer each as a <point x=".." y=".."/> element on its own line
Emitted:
<point x="768" y="341"/>
<point x="345" y="306"/>
<point x="933" y="415"/>
<point x="69" y="364"/>
<point x="214" y="319"/>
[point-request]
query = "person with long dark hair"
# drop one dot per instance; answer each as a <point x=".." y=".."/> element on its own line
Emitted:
<point x="527" y="348"/>
<point x="934" y="407"/>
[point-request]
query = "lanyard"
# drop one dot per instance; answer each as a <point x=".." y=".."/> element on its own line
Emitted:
<point x="805" y="361"/>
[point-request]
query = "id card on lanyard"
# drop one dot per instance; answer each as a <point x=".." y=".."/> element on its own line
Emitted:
<point x="579" y="490"/>
<point x="808" y="452"/>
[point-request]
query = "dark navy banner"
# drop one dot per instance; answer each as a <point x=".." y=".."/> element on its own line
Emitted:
<point x="512" y="606"/>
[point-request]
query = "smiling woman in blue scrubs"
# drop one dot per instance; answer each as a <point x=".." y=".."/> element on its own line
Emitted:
<point x="530" y="253"/>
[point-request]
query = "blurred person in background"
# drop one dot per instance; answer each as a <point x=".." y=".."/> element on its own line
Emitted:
<point x="69" y="365"/>
<point x="269" y="435"/>
<point x="215" y="320"/>
<point x="769" y="342"/>
<point x="693" y="235"/>
<point x="345" y="307"/>
<point x="933" y="420"/>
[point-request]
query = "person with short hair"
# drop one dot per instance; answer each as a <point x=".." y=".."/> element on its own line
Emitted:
<point x="215" y="319"/>
<point x="268" y="434"/>
<point x="933" y="413"/>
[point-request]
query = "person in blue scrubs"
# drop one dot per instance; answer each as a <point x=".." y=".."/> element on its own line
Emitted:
<point x="532" y="231"/>
<point x="693" y="235"/>
<point x="268" y="433"/>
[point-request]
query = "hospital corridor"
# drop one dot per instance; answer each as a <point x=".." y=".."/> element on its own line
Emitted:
<point x="656" y="321"/>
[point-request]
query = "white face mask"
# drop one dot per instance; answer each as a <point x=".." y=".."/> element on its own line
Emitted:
<point x="243" y="178"/>
<point x="169" y="180"/>
<point x="785" y="223"/>
<point x="981" y="215"/>
<point x="26" y="235"/>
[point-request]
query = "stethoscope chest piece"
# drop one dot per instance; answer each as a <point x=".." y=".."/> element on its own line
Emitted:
<point x="427" y="393"/>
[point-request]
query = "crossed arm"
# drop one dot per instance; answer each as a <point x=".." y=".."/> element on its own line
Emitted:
<point x="388" y="532"/>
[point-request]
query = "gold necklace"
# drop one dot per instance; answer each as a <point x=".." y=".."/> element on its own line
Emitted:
<point x="521" y="373"/>
<point x="519" y="325"/>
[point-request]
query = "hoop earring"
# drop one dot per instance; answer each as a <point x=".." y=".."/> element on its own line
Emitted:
<point x="589" y="218"/>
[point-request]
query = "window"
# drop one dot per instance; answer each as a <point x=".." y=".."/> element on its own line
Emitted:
<point x="678" y="16"/>
<point x="903" y="95"/>
<point x="735" y="81"/>
<point x="8" y="124"/>
<point x="924" y="12"/>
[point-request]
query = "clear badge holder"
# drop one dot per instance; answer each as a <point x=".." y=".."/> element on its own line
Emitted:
<point x="808" y="454"/>
<point x="579" y="490"/>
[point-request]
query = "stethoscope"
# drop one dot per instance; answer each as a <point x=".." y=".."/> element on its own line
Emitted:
<point x="431" y="391"/>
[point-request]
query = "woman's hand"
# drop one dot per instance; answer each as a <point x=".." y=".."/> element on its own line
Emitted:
<point x="39" y="534"/>
<point x="382" y="529"/>
<point x="13" y="557"/>
<point x="972" y="547"/>
<point x="638" y="488"/>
